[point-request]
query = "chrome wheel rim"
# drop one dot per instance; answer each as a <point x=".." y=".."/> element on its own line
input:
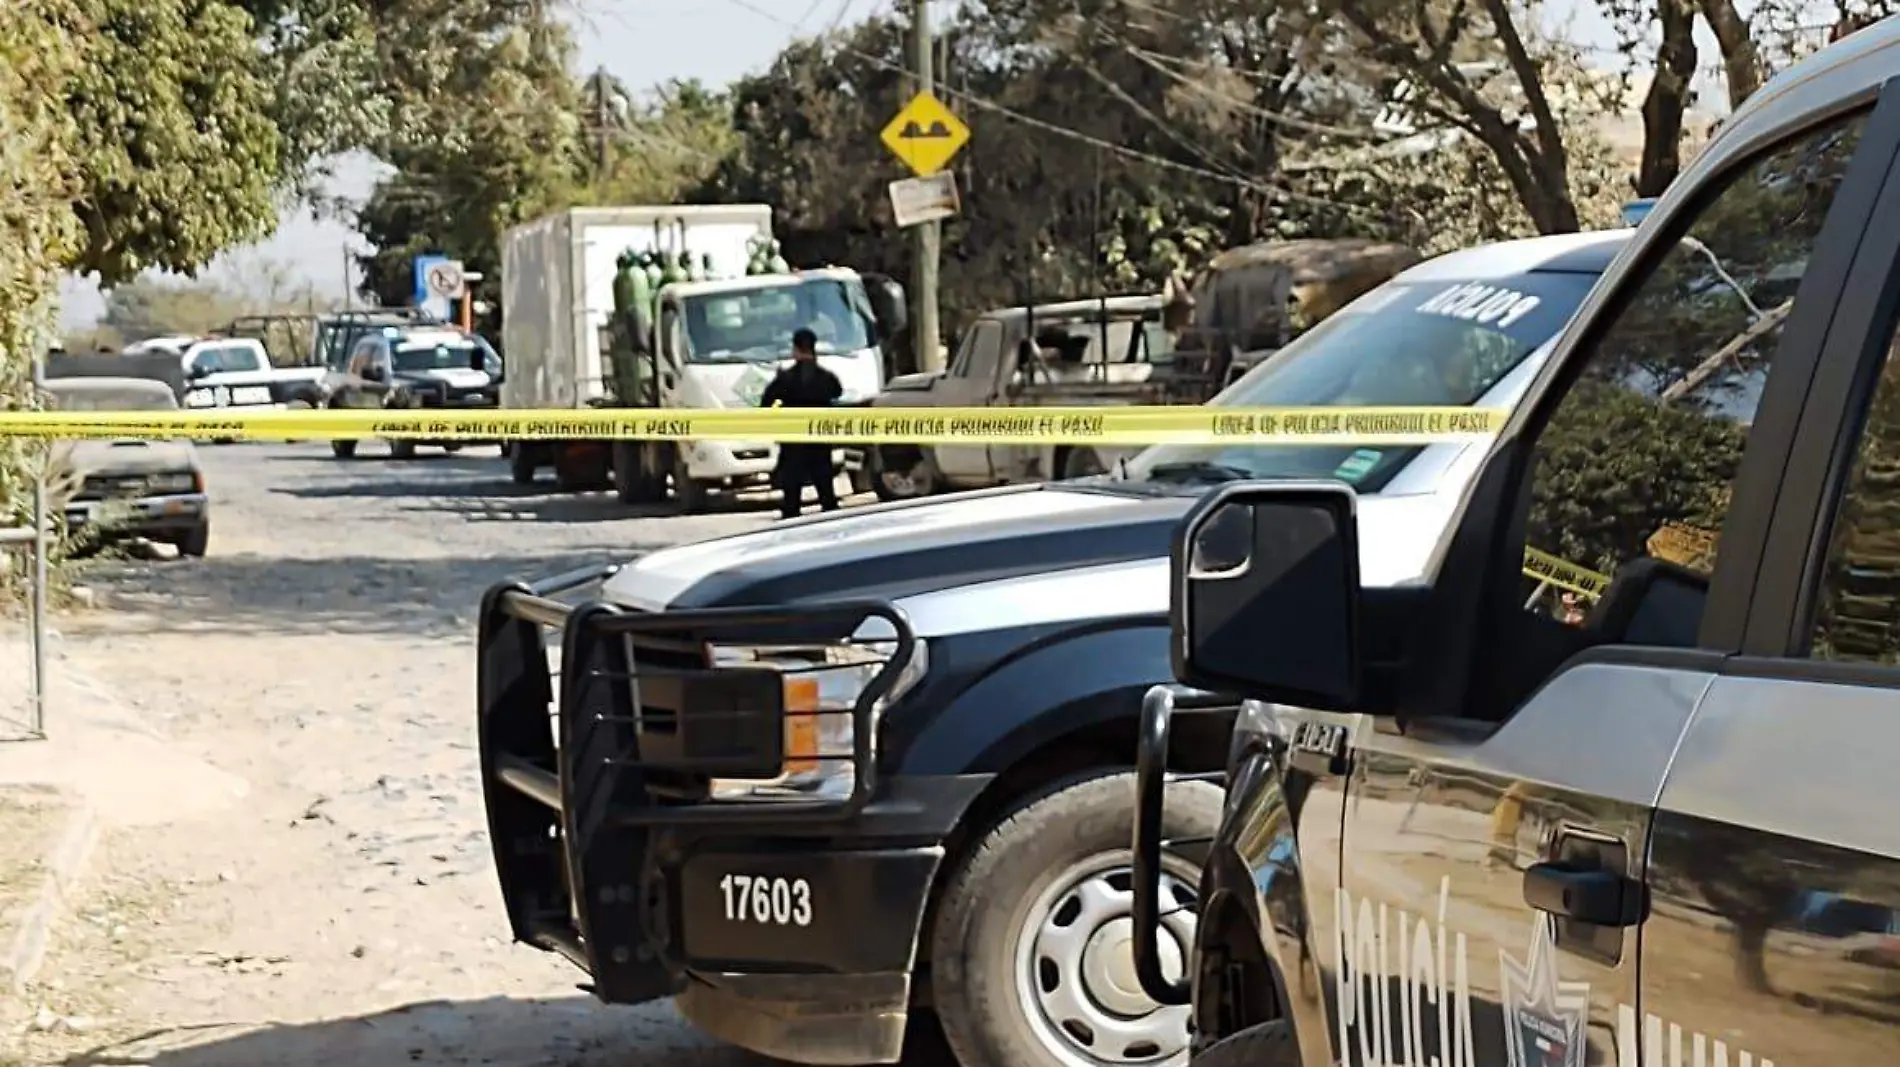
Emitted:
<point x="1075" y="973"/>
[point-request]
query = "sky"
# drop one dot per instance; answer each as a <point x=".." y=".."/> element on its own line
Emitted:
<point x="644" y="43"/>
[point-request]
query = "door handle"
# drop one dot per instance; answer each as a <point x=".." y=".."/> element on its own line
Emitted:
<point x="1585" y="894"/>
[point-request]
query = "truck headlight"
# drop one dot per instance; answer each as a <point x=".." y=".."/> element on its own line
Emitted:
<point x="822" y="684"/>
<point x="179" y="482"/>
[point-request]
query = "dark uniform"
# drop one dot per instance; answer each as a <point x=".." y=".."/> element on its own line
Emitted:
<point x="804" y="384"/>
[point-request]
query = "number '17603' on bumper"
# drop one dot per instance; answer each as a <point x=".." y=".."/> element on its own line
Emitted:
<point x="667" y="744"/>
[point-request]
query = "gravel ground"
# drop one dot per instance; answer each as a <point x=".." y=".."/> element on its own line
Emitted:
<point x="342" y="909"/>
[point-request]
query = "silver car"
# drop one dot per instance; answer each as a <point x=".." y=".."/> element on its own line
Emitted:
<point x="127" y="487"/>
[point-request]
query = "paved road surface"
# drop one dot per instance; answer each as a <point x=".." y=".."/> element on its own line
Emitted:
<point x="327" y="897"/>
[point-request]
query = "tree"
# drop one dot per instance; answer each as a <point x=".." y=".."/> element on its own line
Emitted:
<point x="487" y="138"/>
<point x="172" y="135"/>
<point x="37" y="226"/>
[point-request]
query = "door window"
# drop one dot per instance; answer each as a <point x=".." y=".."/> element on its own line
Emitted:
<point x="982" y="352"/>
<point x="1639" y="459"/>
<point x="1858" y="610"/>
<point x="240" y="358"/>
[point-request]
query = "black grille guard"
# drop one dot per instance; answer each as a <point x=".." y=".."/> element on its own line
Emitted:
<point x="570" y="822"/>
<point x="1152" y="778"/>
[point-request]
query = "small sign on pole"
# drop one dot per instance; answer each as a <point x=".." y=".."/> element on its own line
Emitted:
<point x="926" y="199"/>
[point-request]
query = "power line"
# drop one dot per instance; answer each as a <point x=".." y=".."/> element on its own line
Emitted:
<point x="1110" y="147"/>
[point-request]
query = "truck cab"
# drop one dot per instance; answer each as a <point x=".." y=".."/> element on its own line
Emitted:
<point x="717" y="344"/>
<point x="1632" y="805"/>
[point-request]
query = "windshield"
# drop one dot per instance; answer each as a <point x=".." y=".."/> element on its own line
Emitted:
<point x="438" y="353"/>
<point x="1443" y="342"/>
<point x="757" y="325"/>
<point x="85" y="396"/>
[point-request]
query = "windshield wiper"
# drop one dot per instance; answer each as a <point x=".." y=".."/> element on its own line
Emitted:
<point x="1196" y="471"/>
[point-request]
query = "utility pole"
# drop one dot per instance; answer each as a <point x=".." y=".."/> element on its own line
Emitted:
<point x="924" y="333"/>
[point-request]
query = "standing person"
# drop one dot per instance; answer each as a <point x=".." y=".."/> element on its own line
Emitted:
<point x="804" y="384"/>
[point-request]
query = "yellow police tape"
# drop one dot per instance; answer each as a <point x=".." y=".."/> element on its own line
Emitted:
<point x="841" y="426"/>
<point x="1564" y="574"/>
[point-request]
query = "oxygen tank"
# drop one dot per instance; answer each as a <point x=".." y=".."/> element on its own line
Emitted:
<point x="776" y="264"/>
<point x="671" y="269"/>
<point x="650" y="263"/>
<point x="694" y="272"/>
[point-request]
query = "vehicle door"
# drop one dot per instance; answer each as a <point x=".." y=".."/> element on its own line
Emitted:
<point x="1491" y="906"/>
<point x="1775" y="851"/>
<point x="243" y="375"/>
<point x="367" y="375"/>
<point x="971" y="382"/>
<point x="203" y="363"/>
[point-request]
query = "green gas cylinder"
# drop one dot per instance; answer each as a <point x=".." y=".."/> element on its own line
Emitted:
<point x="777" y="264"/>
<point x="670" y="269"/>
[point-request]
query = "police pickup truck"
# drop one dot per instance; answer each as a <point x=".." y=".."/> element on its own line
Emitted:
<point x="808" y="779"/>
<point x="1467" y="824"/>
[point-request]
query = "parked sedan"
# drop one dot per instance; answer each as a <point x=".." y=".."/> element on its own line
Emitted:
<point x="130" y="487"/>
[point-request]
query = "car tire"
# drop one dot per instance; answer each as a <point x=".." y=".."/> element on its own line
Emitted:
<point x="196" y="541"/>
<point x="402" y="449"/>
<point x="521" y="464"/>
<point x="917" y="479"/>
<point x="343" y="449"/>
<point x="1267" y="1045"/>
<point x="692" y="493"/>
<point x="999" y="990"/>
<point x="633" y="483"/>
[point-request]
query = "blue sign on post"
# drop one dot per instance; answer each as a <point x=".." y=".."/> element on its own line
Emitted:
<point x="422" y="266"/>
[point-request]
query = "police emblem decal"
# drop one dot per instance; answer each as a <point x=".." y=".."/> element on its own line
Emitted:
<point x="1543" y="1016"/>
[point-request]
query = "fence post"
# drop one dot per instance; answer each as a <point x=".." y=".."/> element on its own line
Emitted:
<point x="37" y="620"/>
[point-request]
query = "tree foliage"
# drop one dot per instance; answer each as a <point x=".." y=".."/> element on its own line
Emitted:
<point x="172" y="135"/>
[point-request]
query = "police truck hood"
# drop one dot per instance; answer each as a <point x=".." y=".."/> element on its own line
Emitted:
<point x="1003" y="557"/>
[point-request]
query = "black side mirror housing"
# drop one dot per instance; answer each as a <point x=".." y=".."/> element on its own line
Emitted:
<point x="889" y="305"/>
<point x="1265" y="597"/>
<point x="197" y="371"/>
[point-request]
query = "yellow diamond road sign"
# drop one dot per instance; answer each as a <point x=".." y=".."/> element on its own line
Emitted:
<point x="925" y="134"/>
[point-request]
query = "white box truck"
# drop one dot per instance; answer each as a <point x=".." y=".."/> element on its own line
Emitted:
<point x="708" y="343"/>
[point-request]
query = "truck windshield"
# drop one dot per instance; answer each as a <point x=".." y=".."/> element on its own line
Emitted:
<point x="1415" y="343"/>
<point x="757" y="324"/>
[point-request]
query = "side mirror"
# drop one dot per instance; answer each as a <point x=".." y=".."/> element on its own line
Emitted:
<point x="197" y="371"/>
<point x="1265" y="594"/>
<point x="373" y="372"/>
<point x="477" y="359"/>
<point x="888" y="305"/>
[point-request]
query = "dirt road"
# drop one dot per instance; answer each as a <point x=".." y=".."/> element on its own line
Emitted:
<point x="331" y="901"/>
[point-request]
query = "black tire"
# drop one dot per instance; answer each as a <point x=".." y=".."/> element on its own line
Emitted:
<point x="633" y="484"/>
<point x="452" y="447"/>
<point x="402" y="449"/>
<point x="692" y="494"/>
<point x="196" y="541"/>
<point x="521" y="464"/>
<point x="921" y="476"/>
<point x="986" y="910"/>
<point x="343" y="449"/>
<point x="1267" y="1045"/>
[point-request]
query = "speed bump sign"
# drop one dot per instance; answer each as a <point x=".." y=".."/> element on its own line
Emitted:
<point x="925" y="135"/>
